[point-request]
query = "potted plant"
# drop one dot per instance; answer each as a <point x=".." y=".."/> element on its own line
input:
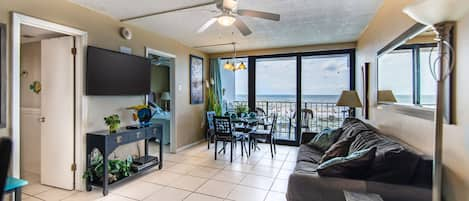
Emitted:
<point x="213" y="102"/>
<point x="113" y="122"/>
<point x="241" y="109"/>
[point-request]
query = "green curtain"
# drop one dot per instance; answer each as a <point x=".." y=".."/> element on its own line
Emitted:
<point x="215" y="74"/>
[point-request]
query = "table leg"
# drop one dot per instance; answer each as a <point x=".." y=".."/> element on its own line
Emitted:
<point x="105" y="175"/>
<point x="18" y="194"/>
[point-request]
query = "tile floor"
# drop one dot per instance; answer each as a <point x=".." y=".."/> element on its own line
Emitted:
<point x="193" y="175"/>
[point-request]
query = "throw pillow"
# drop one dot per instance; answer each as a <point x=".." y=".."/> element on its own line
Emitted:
<point x="353" y="166"/>
<point x="325" y="139"/>
<point x="338" y="149"/>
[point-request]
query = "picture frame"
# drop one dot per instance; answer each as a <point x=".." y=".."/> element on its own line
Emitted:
<point x="3" y="82"/>
<point x="196" y="79"/>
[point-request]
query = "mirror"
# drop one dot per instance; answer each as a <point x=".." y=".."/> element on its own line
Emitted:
<point x="404" y="75"/>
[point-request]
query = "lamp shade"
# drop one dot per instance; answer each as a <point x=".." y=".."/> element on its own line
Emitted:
<point x="349" y="99"/>
<point x="431" y="12"/>
<point x="165" y="96"/>
<point x="386" y="96"/>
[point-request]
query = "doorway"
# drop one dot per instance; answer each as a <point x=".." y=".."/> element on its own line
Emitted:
<point x="162" y="96"/>
<point x="47" y="99"/>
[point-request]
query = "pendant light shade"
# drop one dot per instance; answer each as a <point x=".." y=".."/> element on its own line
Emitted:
<point x="431" y="12"/>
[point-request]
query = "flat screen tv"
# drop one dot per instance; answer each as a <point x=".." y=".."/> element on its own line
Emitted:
<point x="114" y="73"/>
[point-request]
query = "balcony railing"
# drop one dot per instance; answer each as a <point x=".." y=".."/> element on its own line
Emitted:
<point x="325" y="115"/>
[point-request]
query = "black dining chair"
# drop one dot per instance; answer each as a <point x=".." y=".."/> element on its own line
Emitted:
<point x="5" y="154"/>
<point x="265" y="136"/>
<point x="210" y="127"/>
<point x="225" y="133"/>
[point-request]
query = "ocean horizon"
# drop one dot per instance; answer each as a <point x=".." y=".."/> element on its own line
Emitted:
<point x="325" y="98"/>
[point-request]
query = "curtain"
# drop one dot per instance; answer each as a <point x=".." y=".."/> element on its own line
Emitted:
<point x="215" y="74"/>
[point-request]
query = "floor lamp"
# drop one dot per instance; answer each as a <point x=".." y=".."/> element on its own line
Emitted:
<point x="441" y="14"/>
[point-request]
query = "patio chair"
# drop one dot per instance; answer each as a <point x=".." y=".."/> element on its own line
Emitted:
<point x="225" y="133"/>
<point x="307" y="116"/>
<point x="263" y="118"/>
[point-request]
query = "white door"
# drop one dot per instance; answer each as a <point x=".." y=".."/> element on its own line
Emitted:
<point x="57" y="112"/>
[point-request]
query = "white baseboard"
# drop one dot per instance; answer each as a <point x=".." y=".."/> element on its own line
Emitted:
<point x="189" y="145"/>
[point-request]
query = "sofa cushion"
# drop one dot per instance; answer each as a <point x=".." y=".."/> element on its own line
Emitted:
<point x="393" y="162"/>
<point x="304" y="167"/>
<point x="338" y="149"/>
<point x="353" y="166"/>
<point x="325" y="139"/>
<point x="309" y="154"/>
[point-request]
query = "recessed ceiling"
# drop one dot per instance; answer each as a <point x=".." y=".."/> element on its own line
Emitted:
<point x="303" y="22"/>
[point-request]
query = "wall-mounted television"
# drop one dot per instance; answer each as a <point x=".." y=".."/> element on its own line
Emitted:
<point x="113" y="73"/>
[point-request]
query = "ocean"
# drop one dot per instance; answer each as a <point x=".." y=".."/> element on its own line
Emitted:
<point x="425" y="99"/>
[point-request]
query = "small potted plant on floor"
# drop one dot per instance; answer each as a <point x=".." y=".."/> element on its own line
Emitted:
<point x="113" y="122"/>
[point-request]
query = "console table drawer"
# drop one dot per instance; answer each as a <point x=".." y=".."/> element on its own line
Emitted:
<point x="118" y="139"/>
<point x="136" y="136"/>
<point x="153" y="131"/>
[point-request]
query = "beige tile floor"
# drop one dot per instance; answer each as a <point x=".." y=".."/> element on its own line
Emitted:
<point x="193" y="175"/>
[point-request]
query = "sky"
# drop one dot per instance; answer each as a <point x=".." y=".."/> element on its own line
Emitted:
<point x="321" y="76"/>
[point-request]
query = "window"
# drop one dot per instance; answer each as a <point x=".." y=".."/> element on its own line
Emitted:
<point x="235" y="84"/>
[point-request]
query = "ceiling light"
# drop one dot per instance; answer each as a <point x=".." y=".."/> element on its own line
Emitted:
<point x="226" y="20"/>
<point x="242" y="66"/>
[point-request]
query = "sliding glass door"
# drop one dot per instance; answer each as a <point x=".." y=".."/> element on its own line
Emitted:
<point x="302" y="88"/>
<point x="276" y="93"/>
<point x="324" y="79"/>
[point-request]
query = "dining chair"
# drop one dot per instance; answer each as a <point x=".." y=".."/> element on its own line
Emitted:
<point x="210" y="127"/>
<point x="225" y="133"/>
<point x="265" y="136"/>
<point x="5" y="154"/>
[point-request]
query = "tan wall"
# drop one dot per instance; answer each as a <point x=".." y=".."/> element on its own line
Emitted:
<point x="296" y="49"/>
<point x="103" y="32"/>
<point x="387" y="25"/>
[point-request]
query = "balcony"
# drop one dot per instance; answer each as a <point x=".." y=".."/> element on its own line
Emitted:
<point x="325" y="115"/>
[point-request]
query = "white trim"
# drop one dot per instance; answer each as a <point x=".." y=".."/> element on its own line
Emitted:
<point x="189" y="145"/>
<point x="81" y="101"/>
<point x="172" y="89"/>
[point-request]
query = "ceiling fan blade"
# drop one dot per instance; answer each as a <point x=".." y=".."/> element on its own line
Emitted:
<point x="213" y="45"/>
<point x="243" y="28"/>
<point x="168" y="11"/>
<point x="259" y="14"/>
<point x="206" y="25"/>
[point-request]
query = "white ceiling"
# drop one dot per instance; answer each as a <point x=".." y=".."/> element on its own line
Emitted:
<point x="303" y="22"/>
<point x="31" y="34"/>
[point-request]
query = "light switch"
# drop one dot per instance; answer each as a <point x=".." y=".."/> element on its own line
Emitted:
<point x="179" y="87"/>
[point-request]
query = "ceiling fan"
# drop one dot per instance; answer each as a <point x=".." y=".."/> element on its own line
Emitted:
<point x="229" y="15"/>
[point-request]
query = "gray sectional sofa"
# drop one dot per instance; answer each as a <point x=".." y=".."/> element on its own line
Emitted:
<point x="398" y="173"/>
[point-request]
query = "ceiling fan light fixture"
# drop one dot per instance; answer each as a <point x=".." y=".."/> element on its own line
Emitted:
<point x="226" y="20"/>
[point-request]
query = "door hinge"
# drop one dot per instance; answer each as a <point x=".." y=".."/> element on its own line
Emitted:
<point x="74" y="51"/>
<point x="74" y="167"/>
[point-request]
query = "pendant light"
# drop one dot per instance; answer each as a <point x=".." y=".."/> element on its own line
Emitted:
<point x="232" y="66"/>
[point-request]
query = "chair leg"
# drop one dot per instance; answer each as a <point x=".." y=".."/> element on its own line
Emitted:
<point x="275" y="145"/>
<point x="242" y="147"/>
<point x="271" y="149"/>
<point x="209" y="138"/>
<point x="224" y="146"/>
<point x="231" y="151"/>
<point x="216" y="150"/>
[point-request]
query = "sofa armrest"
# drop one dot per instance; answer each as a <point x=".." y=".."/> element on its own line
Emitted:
<point x="307" y="136"/>
<point x="309" y="187"/>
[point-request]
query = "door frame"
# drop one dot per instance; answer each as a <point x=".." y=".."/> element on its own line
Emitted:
<point x="252" y="81"/>
<point x="172" y="91"/>
<point x="19" y="19"/>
